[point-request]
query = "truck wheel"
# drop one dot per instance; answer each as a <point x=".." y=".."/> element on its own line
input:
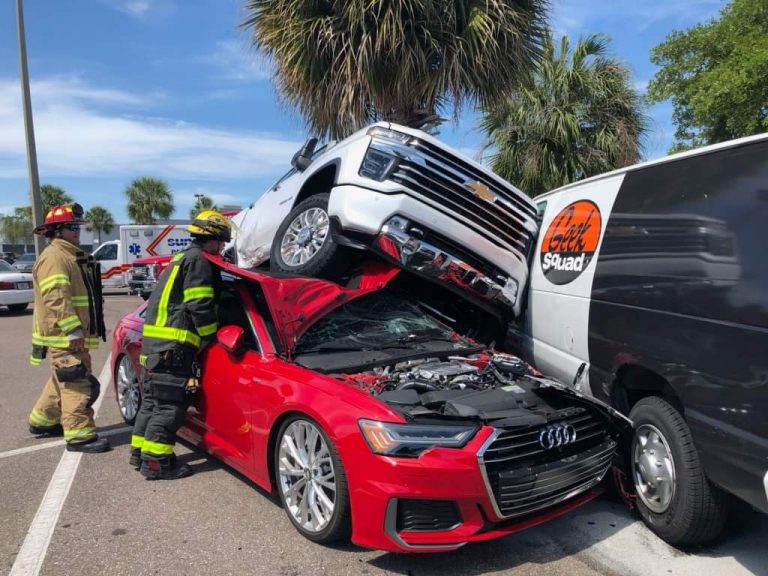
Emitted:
<point x="674" y="497"/>
<point x="303" y="243"/>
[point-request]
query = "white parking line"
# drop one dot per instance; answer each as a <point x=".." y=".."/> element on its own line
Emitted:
<point x="30" y="558"/>
<point x="55" y="443"/>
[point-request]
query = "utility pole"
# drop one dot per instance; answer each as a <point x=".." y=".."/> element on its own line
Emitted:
<point x="34" y="178"/>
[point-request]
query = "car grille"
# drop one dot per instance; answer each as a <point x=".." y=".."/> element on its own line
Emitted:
<point x="426" y="515"/>
<point x="524" y="477"/>
<point x="441" y="179"/>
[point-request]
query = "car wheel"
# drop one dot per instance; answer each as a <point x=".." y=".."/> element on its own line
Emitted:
<point x="15" y="308"/>
<point x="311" y="481"/>
<point x="303" y="243"/>
<point x="128" y="384"/>
<point x="674" y="497"/>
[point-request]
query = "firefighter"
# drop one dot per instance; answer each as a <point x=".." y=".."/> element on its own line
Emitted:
<point x="68" y="321"/>
<point x="180" y="321"/>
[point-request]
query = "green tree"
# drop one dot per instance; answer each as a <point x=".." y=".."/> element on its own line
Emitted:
<point x="577" y="115"/>
<point x="99" y="220"/>
<point x="202" y="202"/>
<point x="149" y="199"/>
<point x="18" y="226"/>
<point x="53" y="196"/>
<point x="715" y="74"/>
<point x="345" y="63"/>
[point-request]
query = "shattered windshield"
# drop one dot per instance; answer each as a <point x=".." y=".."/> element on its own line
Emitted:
<point x="379" y="320"/>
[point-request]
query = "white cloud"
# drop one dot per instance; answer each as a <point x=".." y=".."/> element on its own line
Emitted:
<point x="75" y="138"/>
<point x="576" y="17"/>
<point x="139" y="9"/>
<point x="236" y="60"/>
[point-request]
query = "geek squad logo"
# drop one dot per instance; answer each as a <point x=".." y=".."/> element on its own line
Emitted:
<point x="570" y="242"/>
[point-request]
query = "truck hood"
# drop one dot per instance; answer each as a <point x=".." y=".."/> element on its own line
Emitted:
<point x="297" y="302"/>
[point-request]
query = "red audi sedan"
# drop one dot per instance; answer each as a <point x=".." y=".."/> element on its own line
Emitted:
<point x="377" y="413"/>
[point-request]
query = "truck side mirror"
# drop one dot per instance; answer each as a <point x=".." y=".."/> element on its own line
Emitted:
<point x="303" y="158"/>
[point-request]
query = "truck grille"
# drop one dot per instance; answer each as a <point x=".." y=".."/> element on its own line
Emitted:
<point x="441" y="180"/>
<point x="523" y="476"/>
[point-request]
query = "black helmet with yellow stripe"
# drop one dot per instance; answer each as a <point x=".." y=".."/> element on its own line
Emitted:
<point x="211" y="224"/>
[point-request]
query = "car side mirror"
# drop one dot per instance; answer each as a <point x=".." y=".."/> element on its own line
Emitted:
<point x="303" y="158"/>
<point x="232" y="339"/>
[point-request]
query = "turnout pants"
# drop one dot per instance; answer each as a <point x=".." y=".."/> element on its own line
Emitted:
<point x="68" y="396"/>
<point x="162" y="412"/>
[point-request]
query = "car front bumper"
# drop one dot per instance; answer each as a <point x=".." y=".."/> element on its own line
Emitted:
<point x="441" y="478"/>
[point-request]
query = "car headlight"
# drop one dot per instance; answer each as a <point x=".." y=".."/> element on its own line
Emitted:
<point x="381" y="132"/>
<point x="412" y="439"/>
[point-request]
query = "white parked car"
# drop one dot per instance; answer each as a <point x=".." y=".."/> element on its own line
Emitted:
<point x="405" y="196"/>
<point x="15" y="288"/>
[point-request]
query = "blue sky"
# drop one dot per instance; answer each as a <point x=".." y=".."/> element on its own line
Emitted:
<point x="171" y="89"/>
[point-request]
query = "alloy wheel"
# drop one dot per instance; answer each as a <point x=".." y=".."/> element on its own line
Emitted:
<point x="304" y="237"/>
<point x="307" y="479"/>
<point x="128" y="394"/>
<point x="653" y="468"/>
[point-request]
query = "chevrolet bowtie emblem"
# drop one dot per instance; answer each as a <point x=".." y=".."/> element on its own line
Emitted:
<point x="481" y="191"/>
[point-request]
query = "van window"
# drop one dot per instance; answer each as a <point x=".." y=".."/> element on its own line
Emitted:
<point x="541" y="207"/>
<point x="688" y="237"/>
<point x="106" y="252"/>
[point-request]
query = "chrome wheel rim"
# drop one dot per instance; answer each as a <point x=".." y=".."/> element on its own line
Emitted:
<point x="307" y="477"/>
<point x="653" y="468"/>
<point x="304" y="237"/>
<point x="128" y="395"/>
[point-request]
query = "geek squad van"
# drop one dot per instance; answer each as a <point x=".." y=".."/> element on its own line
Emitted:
<point x="649" y="290"/>
<point x="138" y="241"/>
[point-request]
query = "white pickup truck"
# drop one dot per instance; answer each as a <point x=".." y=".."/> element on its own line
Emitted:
<point x="404" y="195"/>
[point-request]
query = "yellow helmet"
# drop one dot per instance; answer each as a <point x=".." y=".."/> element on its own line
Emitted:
<point x="213" y="224"/>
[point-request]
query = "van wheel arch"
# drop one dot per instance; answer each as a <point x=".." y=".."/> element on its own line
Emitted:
<point x="634" y="382"/>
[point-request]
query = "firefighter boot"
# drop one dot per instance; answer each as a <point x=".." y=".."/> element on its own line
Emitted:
<point x="90" y="446"/>
<point x="135" y="459"/>
<point x="46" y="431"/>
<point x="164" y="468"/>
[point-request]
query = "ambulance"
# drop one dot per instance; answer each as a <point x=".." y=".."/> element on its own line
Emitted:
<point x="138" y="241"/>
<point x="649" y="290"/>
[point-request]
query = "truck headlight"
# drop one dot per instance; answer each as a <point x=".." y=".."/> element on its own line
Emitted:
<point x="377" y="165"/>
<point x="412" y="439"/>
<point x="381" y="132"/>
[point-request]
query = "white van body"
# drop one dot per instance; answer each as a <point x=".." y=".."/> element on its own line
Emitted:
<point x="137" y="241"/>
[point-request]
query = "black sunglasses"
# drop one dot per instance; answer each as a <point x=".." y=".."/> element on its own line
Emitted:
<point x="72" y="227"/>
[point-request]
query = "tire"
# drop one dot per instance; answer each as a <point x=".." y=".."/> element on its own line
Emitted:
<point x="330" y="525"/>
<point x="16" y="308"/>
<point x="303" y="243"/>
<point x="684" y="508"/>
<point x="127" y="388"/>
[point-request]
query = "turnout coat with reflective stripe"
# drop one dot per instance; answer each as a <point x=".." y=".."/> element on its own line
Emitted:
<point x="181" y="309"/>
<point x="64" y="297"/>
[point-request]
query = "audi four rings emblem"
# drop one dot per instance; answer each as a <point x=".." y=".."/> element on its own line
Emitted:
<point x="557" y="435"/>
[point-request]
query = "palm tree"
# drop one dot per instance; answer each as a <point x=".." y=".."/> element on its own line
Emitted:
<point x="345" y="63"/>
<point x="53" y="196"/>
<point x="578" y="115"/>
<point x="99" y="220"/>
<point x="202" y="202"/>
<point x="149" y="199"/>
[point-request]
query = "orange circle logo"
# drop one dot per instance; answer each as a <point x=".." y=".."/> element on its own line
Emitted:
<point x="570" y="242"/>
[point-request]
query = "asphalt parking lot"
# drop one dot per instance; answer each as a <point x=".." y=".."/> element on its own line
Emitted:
<point x="66" y="513"/>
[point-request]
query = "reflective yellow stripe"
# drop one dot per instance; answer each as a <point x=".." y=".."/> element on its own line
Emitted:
<point x="35" y="361"/>
<point x="143" y="359"/>
<point x="162" y="311"/>
<point x="207" y="330"/>
<point x="69" y="323"/>
<point x="156" y="448"/>
<point x="176" y="334"/>
<point x="177" y="257"/>
<point x="80" y="301"/>
<point x="137" y="441"/>
<point x="54" y="341"/>
<point x="92" y="342"/>
<point x="53" y="280"/>
<point x="198" y="292"/>
<point x="79" y="433"/>
<point x="37" y="418"/>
